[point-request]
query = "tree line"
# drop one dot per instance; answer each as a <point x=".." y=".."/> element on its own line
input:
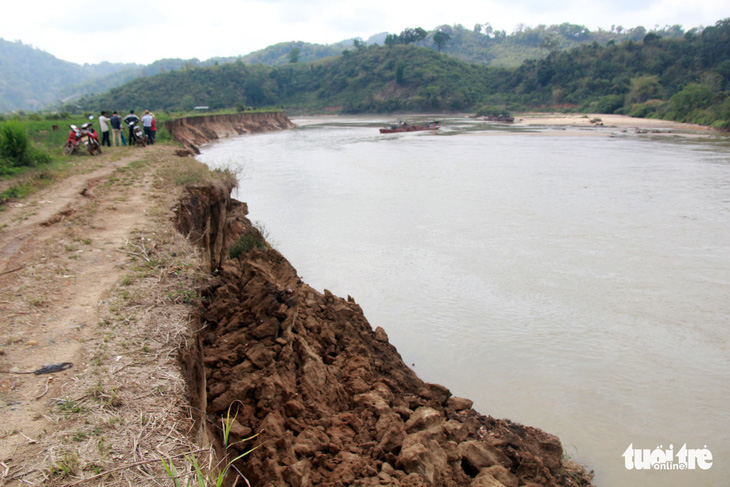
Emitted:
<point x="683" y="78"/>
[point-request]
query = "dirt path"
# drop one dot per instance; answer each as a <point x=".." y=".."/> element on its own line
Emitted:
<point x="56" y="270"/>
<point x="63" y="251"/>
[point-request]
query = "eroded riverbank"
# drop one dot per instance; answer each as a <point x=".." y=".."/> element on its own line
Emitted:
<point x="330" y="399"/>
<point x="333" y="401"/>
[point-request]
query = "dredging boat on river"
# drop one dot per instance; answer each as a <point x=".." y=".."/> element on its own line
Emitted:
<point x="402" y="126"/>
<point x="503" y="118"/>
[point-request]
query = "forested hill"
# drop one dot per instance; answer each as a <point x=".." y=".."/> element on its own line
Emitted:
<point x="374" y="78"/>
<point x="684" y="79"/>
<point x="287" y="52"/>
<point x="30" y="78"/>
<point x="484" y="45"/>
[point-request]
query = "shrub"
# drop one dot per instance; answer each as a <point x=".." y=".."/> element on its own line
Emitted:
<point x="693" y="97"/>
<point x="721" y="125"/>
<point x="642" y="89"/>
<point x="252" y="239"/>
<point x="13" y="142"/>
<point x="16" y="149"/>
<point x="492" y="110"/>
<point x="722" y="117"/>
<point x="608" y="104"/>
<point x="645" y="110"/>
<point x="162" y="134"/>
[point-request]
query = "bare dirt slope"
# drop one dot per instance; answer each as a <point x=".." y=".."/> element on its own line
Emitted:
<point x="330" y="399"/>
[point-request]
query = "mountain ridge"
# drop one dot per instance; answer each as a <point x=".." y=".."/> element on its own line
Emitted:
<point x="33" y="80"/>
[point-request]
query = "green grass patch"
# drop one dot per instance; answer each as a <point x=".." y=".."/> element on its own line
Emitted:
<point x="182" y="295"/>
<point x="70" y="406"/>
<point x="67" y="466"/>
<point x="252" y="239"/>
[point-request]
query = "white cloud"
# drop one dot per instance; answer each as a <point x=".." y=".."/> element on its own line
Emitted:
<point x="121" y="32"/>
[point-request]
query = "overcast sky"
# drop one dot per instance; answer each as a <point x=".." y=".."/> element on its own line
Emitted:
<point x="86" y="31"/>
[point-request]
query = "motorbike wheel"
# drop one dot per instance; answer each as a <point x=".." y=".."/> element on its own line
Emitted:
<point x="141" y="142"/>
<point x="68" y="149"/>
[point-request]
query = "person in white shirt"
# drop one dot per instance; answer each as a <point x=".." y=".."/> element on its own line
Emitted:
<point x="104" y="126"/>
<point x="147" y="124"/>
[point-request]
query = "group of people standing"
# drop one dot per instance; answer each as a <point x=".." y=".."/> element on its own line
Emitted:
<point x="149" y="124"/>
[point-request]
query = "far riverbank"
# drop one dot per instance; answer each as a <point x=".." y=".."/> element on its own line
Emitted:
<point x="599" y="119"/>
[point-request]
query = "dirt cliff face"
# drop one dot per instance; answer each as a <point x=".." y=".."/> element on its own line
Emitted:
<point x="195" y="131"/>
<point x="206" y="215"/>
<point x="331" y="399"/>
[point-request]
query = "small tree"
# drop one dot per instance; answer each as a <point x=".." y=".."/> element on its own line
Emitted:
<point x="187" y="102"/>
<point x="440" y="38"/>
<point x="409" y="35"/>
<point x="294" y="55"/>
<point x="399" y="72"/>
<point x="551" y="43"/>
<point x="643" y="88"/>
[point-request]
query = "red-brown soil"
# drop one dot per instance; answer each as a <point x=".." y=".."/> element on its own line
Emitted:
<point x="330" y="398"/>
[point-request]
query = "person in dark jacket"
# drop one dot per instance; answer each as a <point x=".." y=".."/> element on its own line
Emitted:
<point x="131" y="118"/>
<point x="116" y="122"/>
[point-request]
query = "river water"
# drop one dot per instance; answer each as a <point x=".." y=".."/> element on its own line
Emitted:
<point x="574" y="280"/>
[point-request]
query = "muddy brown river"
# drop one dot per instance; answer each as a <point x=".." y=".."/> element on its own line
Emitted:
<point x="576" y="280"/>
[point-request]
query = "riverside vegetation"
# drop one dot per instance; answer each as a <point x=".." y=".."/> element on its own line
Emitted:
<point x="664" y="73"/>
<point x="685" y="79"/>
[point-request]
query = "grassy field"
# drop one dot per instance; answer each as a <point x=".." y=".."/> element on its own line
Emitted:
<point x="31" y="152"/>
<point x="31" y="155"/>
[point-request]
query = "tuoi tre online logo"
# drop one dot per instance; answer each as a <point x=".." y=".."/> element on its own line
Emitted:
<point x="659" y="459"/>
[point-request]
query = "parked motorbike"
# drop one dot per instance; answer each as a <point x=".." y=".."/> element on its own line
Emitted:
<point x="138" y="137"/>
<point x="82" y="138"/>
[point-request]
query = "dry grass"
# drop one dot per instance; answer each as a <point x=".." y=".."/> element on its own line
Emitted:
<point x="188" y="171"/>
